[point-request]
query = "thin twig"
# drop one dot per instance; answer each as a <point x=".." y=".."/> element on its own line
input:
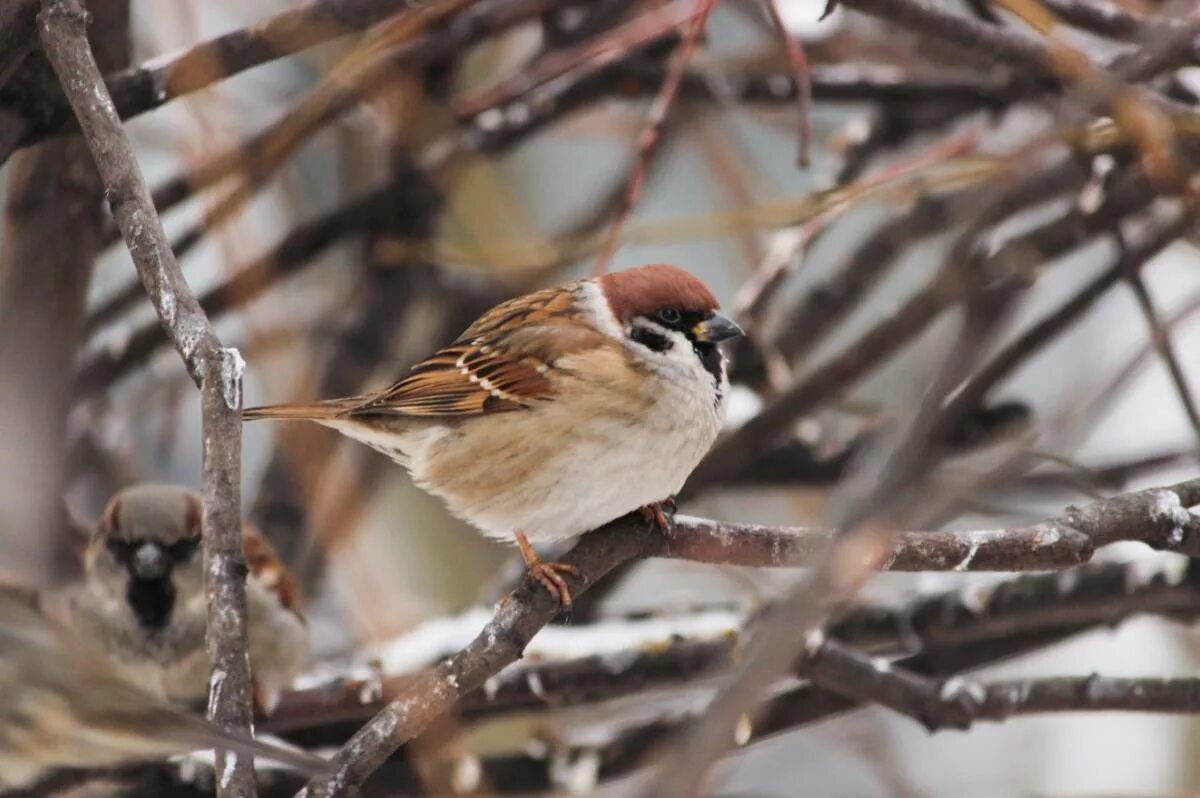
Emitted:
<point x="1022" y="254"/>
<point x="1160" y="337"/>
<point x="1101" y="17"/>
<point x="217" y="371"/>
<point x="298" y="249"/>
<point x="1013" y="355"/>
<point x="803" y="78"/>
<point x="651" y="132"/>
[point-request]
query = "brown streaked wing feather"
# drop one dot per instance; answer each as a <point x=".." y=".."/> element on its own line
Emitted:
<point x="264" y="564"/>
<point x="500" y="362"/>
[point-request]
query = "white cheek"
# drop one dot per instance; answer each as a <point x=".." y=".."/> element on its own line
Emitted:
<point x="596" y="306"/>
<point x="680" y="366"/>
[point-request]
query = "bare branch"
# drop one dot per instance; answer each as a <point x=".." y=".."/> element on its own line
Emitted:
<point x="958" y="703"/>
<point x="1158" y="516"/>
<point x="1017" y="256"/>
<point x="217" y="370"/>
<point x="1094" y="595"/>
<point x="517" y="619"/>
<point x="1160" y="336"/>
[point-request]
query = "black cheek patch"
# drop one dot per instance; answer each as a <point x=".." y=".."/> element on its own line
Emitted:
<point x="650" y="339"/>
<point x="712" y="361"/>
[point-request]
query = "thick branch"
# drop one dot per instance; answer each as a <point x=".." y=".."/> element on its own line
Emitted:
<point x="218" y="371"/>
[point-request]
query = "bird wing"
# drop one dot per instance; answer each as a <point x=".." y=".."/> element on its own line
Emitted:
<point x="502" y="362"/>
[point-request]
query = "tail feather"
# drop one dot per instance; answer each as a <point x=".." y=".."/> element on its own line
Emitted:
<point x="318" y="411"/>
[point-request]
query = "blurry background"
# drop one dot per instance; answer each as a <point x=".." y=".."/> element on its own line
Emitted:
<point x="428" y="201"/>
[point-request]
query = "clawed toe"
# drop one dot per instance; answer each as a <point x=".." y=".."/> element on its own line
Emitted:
<point x="656" y="514"/>
<point x="549" y="576"/>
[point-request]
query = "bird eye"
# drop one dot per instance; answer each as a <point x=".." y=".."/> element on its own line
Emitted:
<point x="118" y="548"/>
<point x="182" y="550"/>
<point x="669" y="316"/>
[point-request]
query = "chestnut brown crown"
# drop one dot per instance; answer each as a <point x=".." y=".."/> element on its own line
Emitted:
<point x="644" y="290"/>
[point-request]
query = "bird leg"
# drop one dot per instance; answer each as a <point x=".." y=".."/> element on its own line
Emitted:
<point x="548" y="574"/>
<point x="656" y="514"/>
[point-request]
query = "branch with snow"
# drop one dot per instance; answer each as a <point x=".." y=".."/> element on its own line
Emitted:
<point x="567" y="666"/>
<point x="1157" y="516"/>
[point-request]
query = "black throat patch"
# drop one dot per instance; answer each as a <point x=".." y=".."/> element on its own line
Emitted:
<point x="151" y="601"/>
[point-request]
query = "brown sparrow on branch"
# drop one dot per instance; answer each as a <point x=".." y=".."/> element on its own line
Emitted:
<point x="555" y="412"/>
<point x="65" y="703"/>
<point x="142" y="598"/>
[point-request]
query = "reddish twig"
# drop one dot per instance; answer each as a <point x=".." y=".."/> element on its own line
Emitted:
<point x="799" y="62"/>
<point x="652" y="130"/>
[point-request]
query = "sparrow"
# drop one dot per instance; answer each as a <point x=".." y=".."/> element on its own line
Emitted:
<point x="66" y="703"/>
<point x="142" y="600"/>
<point x="557" y="411"/>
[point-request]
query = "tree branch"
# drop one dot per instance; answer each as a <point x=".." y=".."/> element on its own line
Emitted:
<point x="294" y="252"/>
<point x="958" y="703"/>
<point x="1015" y="259"/>
<point x="1158" y="516"/>
<point x="518" y="618"/>
<point x="1104" y="594"/>
<point x="217" y="370"/>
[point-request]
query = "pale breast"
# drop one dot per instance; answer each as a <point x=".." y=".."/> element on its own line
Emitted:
<point x="572" y="464"/>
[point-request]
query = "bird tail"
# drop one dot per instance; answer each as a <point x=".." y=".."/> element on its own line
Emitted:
<point x="319" y="411"/>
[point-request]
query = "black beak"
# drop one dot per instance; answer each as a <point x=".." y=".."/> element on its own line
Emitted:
<point x="716" y="328"/>
<point x="149" y="561"/>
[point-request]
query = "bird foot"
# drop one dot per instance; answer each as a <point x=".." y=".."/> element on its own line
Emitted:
<point x="548" y="574"/>
<point x="656" y="515"/>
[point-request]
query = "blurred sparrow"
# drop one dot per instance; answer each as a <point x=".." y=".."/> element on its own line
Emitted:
<point x="65" y="703"/>
<point x="142" y="598"/>
<point x="558" y="411"/>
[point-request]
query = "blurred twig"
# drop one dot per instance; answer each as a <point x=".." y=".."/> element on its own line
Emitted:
<point x="1151" y="240"/>
<point x="826" y="380"/>
<point x="44" y="280"/>
<point x="294" y="252"/>
<point x="651" y="132"/>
